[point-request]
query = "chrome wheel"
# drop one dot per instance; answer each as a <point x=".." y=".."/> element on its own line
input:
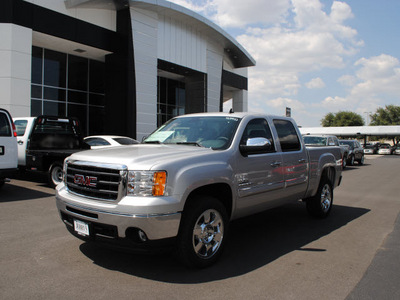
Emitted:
<point x="56" y="175"/>
<point x="208" y="233"/>
<point x="326" y="198"/>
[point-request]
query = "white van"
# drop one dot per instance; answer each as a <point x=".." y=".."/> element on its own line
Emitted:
<point x="8" y="146"/>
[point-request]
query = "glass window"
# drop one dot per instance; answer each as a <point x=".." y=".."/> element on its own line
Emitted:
<point x="36" y="91"/>
<point x="79" y="112"/>
<point x="287" y="135"/>
<point x="5" y="129"/>
<point x="257" y="128"/>
<point x="55" y="68"/>
<point x="96" y="76"/>
<point x="77" y="97"/>
<point x="171" y="99"/>
<point x="77" y="73"/>
<point x="52" y="108"/>
<point x="37" y="63"/>
<point x="96" y="142"/>
<point x="20" y="126"/>
<point x="54" y="94"/>
<point x="36" y="107"/>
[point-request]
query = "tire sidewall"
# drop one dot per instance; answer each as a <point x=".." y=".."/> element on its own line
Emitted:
<point x="192" y="212"/>
<point x="314" y="204"/>
<point x="55" y="168"/>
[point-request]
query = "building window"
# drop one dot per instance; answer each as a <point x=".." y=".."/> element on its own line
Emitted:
<point x="171" y="99"/>
<point x="68" y="85"/>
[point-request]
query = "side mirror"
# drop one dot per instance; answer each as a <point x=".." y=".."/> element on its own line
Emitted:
<point x="256" y="146"/>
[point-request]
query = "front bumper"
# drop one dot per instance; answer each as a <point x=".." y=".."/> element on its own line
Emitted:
<point x="111" y="225"/>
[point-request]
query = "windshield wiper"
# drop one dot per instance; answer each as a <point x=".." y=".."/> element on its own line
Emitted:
<point x="189" y="143"/>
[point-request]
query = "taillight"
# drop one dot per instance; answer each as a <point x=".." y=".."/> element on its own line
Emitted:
<point x="14" y="129"/>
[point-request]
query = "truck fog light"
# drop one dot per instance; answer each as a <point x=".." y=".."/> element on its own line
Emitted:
<point x="142" y="235"/>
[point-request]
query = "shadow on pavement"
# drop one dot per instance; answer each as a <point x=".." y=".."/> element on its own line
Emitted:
<point x="252" y="242"/>
<point x="11" y="192"/>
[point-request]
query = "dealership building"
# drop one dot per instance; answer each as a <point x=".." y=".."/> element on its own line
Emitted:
<point x="120" y="66"/>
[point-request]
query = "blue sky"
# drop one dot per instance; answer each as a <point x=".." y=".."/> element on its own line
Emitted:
<point x="315" y="56"/>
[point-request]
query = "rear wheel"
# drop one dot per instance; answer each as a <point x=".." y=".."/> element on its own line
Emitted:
<point x="320" y="205"/>
<point x="55" y="174"/>
<point x="202" y="233"/>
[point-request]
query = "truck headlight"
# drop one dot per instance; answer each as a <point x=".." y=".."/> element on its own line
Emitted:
<point x="146" y="183"/>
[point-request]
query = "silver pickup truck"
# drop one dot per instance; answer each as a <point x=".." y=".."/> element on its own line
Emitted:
<point x="190" y="178"/>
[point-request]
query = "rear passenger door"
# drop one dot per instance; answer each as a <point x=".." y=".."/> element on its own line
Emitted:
<point x="294" y="159"/>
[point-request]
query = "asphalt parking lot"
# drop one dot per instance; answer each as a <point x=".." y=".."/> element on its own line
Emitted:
<point x="278" y="254"/>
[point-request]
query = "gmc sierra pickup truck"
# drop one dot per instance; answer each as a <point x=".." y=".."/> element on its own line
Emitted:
<point x="190" y="178"/>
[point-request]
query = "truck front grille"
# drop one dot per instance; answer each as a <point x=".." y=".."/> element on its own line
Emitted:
<point x="97" y="181"/>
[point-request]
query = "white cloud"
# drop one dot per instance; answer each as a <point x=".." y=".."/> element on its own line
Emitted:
<point x="347" y="80"/>
<point x="315" y="83"/>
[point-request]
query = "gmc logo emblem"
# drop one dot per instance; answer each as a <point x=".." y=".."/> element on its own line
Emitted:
<point x="89" y="181"/>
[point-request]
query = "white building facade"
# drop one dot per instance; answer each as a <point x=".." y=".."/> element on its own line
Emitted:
<point x="121" y="66"/>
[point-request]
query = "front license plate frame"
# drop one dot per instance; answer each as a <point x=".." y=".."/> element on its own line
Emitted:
<point x="81" y="228"/>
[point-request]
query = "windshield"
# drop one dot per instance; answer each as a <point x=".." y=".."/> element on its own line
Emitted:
<point x="349" y="143"/>
<point x="205" y="131"/>
<point x="315" y="140"/>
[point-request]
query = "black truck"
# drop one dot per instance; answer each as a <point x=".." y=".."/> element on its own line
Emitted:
<point x="45" y="141"/>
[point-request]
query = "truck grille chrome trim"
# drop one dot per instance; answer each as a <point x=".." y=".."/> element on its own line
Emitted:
<point x="96" y="180"/>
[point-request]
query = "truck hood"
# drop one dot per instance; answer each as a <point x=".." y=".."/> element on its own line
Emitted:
<point x="142" y="156"/>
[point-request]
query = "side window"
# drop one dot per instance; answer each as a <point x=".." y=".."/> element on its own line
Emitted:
<point x="20" y="125"/>
<point x="5" y="129"/>
<point x="287" y="135"/>
<point x="257" y="128"/>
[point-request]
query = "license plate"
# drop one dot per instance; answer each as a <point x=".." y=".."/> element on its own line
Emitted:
<point x="1" y="150"/>
<point x="81" y="228"/>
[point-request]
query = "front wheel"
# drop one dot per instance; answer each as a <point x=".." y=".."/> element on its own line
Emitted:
<point x="361" y="161"/>
<point x="202" y="232"/>
<point x="55" y="174"/>
<point x="320" y="205"/>
<point x="351" y="162"/>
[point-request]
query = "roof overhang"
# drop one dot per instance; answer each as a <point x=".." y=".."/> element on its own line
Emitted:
<point x="236" y="52"/>
<point x="354" y="131"/>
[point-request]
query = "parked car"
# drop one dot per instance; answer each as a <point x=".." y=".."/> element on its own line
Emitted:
<point x="102" y="141"/>
<point x="45" y="141"/>
<point x="397" y="149"/>
<point x="8" y="146"/>
<point x="327" y="140"/>
<point x="356" y="152"/>
<point x="371" y="148"/>
<point x="184" y="184"/>
<point x="385" y="149"/>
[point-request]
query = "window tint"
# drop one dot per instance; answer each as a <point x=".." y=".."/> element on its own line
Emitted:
<point x="257" y="128"/>
<point x="287" y="135"/>
<point x="97" y="142"/>
<point x="5" y="129"/>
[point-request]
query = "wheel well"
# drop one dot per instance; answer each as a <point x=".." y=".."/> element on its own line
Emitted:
<point x="221" y="191"/>
<point x="329" y="173"/>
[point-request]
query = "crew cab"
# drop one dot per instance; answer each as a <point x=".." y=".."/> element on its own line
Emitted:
<point x="192" y="176"/>
<point x="8" y="147"/>
<point x="45" y="141"/>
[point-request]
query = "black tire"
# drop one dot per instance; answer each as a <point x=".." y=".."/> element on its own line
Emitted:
<point x="202" y="232"/>
<point x="2" y="182"/>
<point x="344" y="165"/>
<point x="361" y="161"/>
<point x="55" y="174"/>
<point x="351" y="163"/>
<point x="320" y="205"/>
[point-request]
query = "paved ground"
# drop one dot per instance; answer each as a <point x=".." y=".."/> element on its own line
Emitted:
<point x="278" y="254"/>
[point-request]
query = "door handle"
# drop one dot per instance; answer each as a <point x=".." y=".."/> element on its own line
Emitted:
<point x="276" y="164"/>
<point x="20" y="142"/>
<point x="302" y="161"/>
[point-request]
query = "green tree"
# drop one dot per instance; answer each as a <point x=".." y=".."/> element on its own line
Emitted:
<point x="390" y="115"/>
<point x="342" y="118"/>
